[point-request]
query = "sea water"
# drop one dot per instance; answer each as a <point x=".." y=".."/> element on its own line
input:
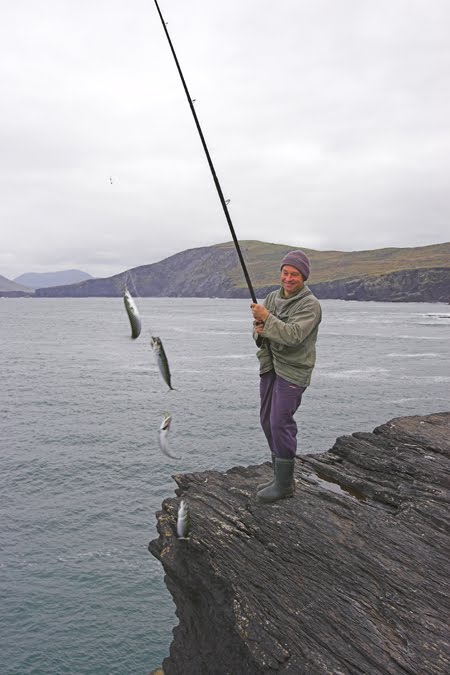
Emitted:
<point x="82" y="474"/>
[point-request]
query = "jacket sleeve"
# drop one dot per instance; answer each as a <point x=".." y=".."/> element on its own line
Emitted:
<point x="301" y="324"/>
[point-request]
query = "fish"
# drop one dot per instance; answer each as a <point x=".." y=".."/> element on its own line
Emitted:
<point x="183" y="521"/>
<point x="161" y="360"/>
<point x="133" y="314"/>
<point x="163" y="432"/>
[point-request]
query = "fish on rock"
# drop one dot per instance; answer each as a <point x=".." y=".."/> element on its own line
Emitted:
<point x="161" y="360"/>
<point x="133" y="314"/>
<point x="163" y="433"/>
<point x="183" y="521"/>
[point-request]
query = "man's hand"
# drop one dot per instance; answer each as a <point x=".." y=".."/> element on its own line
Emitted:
<point x="259" y="326"/>
<point x="260" y="313"/>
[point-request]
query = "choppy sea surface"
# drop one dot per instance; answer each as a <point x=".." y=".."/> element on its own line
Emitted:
<point x="82" y="474"/>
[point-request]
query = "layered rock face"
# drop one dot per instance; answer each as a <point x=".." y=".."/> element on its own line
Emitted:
<point x="421" y="285"/>
<point x="348" y="576"/>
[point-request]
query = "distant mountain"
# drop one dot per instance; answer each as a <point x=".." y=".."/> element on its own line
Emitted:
<point x="8" y="287"/>
<point x="47" y="279"/>
<point x="420" y="274"/>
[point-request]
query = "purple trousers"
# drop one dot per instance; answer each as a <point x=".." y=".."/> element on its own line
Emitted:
<point x="279" y="401"/>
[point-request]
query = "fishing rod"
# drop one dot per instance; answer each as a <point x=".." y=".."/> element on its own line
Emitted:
<point x="208" y="157"/>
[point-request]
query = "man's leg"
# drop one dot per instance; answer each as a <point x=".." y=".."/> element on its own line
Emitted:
<point x="265" y="389"/>
<point x="266" y="383"/>
<point x="286" y="399"/>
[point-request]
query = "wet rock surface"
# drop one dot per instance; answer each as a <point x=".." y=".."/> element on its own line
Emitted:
<point x="348" y="576"/>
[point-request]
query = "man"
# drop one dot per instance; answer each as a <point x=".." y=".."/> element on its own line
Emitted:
<point x="288" y="322"/>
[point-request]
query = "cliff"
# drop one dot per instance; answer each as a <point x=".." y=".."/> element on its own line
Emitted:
<point x="419" y="285"/>
<point x="12" y="289"/>
<point x="413" y="274"/>
<point x="349" y="576"/>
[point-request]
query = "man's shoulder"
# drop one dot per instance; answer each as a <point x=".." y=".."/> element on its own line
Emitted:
<point x="307" y="300"/>
<point x="312" y="298"/>
<point x="307" y="296"/>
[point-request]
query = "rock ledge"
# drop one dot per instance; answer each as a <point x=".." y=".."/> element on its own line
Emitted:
<point x="349" y="576"/>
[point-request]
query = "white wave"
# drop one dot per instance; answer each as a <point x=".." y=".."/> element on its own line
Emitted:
<point x="234" y="356"/>
<point x="437" y="315"/>
<point x="240" y="369"/>
<point x="213" y="319"/>
<point x="210" y="332"/>
<point x="357" y="373"/>
<point x="418" y="337"/>
<point x="420" y="379"/>
<point x="432" y="319"/>
<point x="413" y="355"/>
<point x="404" y="400"/>
<point x="88" y="555"/>
<point x="216" y="357"/>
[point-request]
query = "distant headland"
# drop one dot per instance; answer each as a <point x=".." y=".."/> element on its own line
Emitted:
<point x="419" y="274"/>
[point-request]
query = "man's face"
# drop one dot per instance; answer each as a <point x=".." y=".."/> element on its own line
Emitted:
<point x="291" y="280"/>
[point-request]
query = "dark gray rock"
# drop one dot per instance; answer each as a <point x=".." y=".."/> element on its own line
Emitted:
<point x="416" y="285"/>
<point x="16" y="294"/>
<point x="349" y="576"/>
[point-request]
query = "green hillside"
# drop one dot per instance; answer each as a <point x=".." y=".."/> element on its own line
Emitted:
<point x="263" y="259"/>
<point x="419" y="274"/>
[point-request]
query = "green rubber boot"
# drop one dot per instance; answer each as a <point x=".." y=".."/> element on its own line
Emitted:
<point x="283" y="484"/>
<point x="264" y="485"/>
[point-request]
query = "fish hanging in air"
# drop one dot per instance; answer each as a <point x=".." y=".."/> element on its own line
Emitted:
<point x="161" y="359"/>
<point x="163" y="433"/>
<point x="133" y="314"/>
<point x="183" y="521"/>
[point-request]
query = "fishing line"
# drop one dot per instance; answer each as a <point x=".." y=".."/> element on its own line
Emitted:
<point x="208" y="157"/>
<point x="127" y="279"/>
<point x="130" y="277"/>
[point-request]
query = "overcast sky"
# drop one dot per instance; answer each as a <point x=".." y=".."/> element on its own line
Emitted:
<point x="328" y="122"/>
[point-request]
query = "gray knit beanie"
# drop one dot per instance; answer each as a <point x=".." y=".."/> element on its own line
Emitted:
<point x="299" y="260"/>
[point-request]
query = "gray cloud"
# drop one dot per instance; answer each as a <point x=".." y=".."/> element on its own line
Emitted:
<point x="327" y="123"/>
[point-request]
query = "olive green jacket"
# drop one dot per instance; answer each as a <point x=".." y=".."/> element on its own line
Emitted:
<point x="290" y="333"/>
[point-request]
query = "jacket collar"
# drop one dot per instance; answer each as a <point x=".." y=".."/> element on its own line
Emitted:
<point x="300" y="294"/>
